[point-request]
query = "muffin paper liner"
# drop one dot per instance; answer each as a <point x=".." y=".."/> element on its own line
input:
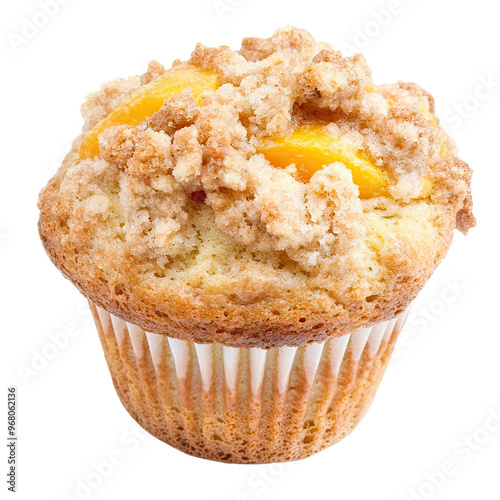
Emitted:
<point x="246" y="405"/>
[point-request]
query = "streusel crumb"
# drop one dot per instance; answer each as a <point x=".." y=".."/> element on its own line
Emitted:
<point x="182" y="226"/>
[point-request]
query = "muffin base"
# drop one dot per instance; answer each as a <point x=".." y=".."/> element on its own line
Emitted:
<point x="246" y="405"/>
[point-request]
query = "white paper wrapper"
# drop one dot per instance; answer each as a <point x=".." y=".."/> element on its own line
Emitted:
<point x="246" y="405"/>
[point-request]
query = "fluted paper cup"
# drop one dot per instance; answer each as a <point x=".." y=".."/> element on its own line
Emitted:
<point x="246" y="405"/>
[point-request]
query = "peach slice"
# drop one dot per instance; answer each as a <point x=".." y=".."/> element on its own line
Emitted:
<point x="148" y="99"/>
<point x="429" y="116"/>
<point x="426" y="189"/>
<point x="310" y="149"/>
<point x="443" y="149"/>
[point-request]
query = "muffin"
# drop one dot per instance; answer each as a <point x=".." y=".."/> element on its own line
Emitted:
<point x="250" y="228"/>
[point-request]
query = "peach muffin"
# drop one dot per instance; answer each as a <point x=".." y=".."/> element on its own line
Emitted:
<point x="250" y="228"/>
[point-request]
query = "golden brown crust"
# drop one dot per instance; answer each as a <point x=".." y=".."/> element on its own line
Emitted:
<point x="178" y="226"/>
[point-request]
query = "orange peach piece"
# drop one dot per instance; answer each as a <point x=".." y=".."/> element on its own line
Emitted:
<point x="148" y="99"/>
<point x="310" y="149"/>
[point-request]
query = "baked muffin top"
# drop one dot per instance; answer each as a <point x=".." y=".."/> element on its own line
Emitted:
<point x="262" y="197"/>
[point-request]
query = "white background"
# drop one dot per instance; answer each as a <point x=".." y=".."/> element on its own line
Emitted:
<point x="443" y="383"/>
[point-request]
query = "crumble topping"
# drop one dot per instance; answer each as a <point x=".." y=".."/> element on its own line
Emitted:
<point x="187" y="192"/>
